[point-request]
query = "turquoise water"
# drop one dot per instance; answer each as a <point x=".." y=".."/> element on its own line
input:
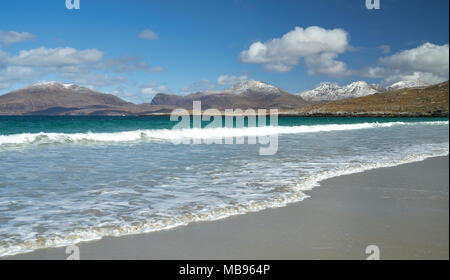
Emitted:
<point x="66" y="124"/>
<point x="69" y="179"/>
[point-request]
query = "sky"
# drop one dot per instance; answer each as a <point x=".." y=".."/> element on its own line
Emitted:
<point x="135" y="49"/>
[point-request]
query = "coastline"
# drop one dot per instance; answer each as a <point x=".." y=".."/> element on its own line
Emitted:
<point x="403" y="209"/>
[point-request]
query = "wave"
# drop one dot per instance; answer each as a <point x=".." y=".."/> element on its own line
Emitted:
<point x="296" y="195"/>
<point x="44" y="138"/>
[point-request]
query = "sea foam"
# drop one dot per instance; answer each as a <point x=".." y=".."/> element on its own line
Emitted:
<point x="41" y="138"/>
<point x="215" y="214"/>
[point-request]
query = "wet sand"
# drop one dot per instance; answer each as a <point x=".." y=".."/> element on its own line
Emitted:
<point x="403" y="210"/>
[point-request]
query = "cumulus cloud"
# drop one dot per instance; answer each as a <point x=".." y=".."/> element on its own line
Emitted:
<point x="86" y="67"/>
<point x="425" y="58"/>
<point x="229" y="80"/>
<point x="282" y="54"/>
<point x="326" y="64"/>
<point x="13" y="37"/>
<point x="148" y="34"/>
<point x="56" y="57"/>
<point x="427" y="63"/>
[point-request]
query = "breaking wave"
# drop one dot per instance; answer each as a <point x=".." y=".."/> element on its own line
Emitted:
<point x="44" y="138"/>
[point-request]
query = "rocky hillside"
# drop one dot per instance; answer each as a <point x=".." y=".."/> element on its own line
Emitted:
<point x="419" y="101"/>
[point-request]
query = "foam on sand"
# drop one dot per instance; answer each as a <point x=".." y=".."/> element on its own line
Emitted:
<point x="297" y="194"/>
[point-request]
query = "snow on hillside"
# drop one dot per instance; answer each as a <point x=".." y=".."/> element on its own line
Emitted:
<point x="51" y="85"/>
<point x="332" y="91"/>
<point x="247" y="87"/>
<point x="407" y="84"/>
<point x="252" y="85"/>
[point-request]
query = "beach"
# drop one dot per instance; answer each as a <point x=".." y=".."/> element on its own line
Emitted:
<point x="404" y="210"/>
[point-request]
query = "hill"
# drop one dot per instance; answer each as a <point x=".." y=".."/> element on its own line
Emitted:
<point x="414" y="102"/>
<point x="53" y="98"/>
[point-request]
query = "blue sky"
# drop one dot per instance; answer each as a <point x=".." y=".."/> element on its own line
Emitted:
<point x="198" y="45"/>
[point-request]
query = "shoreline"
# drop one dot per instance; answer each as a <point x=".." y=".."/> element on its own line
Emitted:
<point x="228" y="237"/>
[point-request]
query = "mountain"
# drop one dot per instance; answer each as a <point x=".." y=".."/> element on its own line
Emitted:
<point x="52" y="98"/>
<point x="414" y="102"/>
<point x="332" y="91"/>
<point x="407" y="84"/>
<point x="248" y="94"/>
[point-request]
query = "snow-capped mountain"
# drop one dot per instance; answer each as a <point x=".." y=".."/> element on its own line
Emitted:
<point x="407" y="84"/>
<point x="252" y="86"/>
<point x="50" y="85"/>
<point x="245" y="88"/>
<point x="332" y="91"/>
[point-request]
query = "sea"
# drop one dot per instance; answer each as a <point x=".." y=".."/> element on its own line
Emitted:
<point x="65" y="179"/>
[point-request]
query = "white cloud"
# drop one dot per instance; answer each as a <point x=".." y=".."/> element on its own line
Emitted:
<point x="427" y="77"/>
<point x="46" y="57"/>
<point x="148" y="35"/>
<point x="282" y="54"/>
<point x="12" y="37"/>
<point x="229" y="80"/>
<point x="12" y="74"/>
<point x="425" y="58"/>
<point x="15" y="72"/>
<point x="326" y="64"/>
<point x="149" y="91"/>
<point x="427" y="63"/>
<point x="85" y="67"/>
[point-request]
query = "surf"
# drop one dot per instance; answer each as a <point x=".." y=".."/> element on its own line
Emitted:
<point x="176" y="135"/>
